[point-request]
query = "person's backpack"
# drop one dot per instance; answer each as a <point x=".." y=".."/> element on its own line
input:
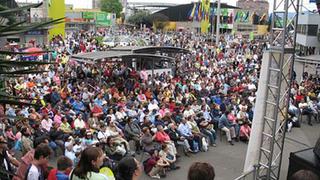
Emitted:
<point x="204" y="144"/>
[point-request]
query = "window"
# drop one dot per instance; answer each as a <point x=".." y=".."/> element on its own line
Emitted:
<point x="301" y="29"/>
<point x="312" y="30"/>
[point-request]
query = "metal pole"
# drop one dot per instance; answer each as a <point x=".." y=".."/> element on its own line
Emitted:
<point x="218" y="21"/>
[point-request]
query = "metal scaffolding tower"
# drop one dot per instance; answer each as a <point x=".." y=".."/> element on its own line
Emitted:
<point x="280" y="68"/>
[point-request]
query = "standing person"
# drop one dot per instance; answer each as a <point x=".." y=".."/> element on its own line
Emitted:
<point x="129" y="169"/>
<point x="90" y="162"/>
<point x="41" y="158"/>
<point x="199" y="170"/>
<point x="6" y="160"/>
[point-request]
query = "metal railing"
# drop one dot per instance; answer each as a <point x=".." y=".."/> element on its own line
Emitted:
<point x="249" y="175"/>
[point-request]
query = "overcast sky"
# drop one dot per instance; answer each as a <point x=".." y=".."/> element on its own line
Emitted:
<point x="88" y="3"/>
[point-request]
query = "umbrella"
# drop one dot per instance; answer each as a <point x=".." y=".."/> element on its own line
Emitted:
<point x="34" y="51"/>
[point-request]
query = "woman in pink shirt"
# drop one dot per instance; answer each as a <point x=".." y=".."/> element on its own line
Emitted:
<point x="57" y="118"/>
<point x="245" y="132"/>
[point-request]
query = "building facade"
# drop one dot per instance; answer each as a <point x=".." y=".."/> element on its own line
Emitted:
<point x="261" y="7"/>
<point x="251" y="16"/>
<point x="308" y="34"/>
<point x="96" y="4"/>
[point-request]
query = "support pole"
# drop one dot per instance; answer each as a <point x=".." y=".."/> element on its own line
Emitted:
<point x="218" y="22"/>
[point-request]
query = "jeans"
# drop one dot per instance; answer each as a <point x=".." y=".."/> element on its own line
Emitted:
<point x="211" y="134"/>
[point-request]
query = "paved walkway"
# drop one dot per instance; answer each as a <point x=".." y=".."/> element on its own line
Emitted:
<point x="228" y="160"/>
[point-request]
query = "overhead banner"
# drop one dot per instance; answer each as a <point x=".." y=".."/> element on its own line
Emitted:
<point x="103" y="19"/>
<point x="88" y="15"/>
<point x="56" y="10"/>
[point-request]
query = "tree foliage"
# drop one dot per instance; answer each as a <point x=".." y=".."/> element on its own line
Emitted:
<point x="140" y="17"/>
<point x="144" y="17"/>
<point x="111" y="6"/>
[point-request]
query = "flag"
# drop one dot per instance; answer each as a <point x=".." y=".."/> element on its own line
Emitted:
<point x="251" y="36"/>
<point x="262" y="18"/>
<point x="236" y="17"/>
<point x="200" y="12"/>
<point x="252" y="17"/>
<point x="191" y="13"/>
<point x="246" y="16"/>
<point x="196" y="12"/>
<point x="230" y="19"/>
<point x="204" y="16"/>
<point x="270" y="19"/>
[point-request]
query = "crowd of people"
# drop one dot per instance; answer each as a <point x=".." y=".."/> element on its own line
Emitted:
<point x="92" y="123"/>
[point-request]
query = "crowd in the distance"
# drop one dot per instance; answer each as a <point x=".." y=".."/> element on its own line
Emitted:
<point x="213" y="90"/>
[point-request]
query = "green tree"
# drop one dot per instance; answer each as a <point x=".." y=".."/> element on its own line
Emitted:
<point x="111" y="6"/>
<point x="140" y="17"/>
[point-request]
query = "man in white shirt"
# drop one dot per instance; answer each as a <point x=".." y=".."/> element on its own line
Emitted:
<point x="41" y="158"/>
<point x="188" y="112"/>
<point x="46" y="123"/>
<point x="79" y="123"/>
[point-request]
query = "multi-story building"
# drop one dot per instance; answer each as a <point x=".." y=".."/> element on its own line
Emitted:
<point x="308" y="44"/>
<point x="308" y="34"/>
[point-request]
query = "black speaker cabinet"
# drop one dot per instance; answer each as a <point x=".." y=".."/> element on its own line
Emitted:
<point x="316" y="149"/>
<point x="304" y="159"/>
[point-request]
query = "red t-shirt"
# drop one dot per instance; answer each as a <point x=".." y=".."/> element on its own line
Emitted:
<point x="162" y="137"/>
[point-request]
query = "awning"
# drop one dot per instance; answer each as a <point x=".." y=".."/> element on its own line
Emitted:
<point x="181" y="12"/>
<point x="312" y="59"/>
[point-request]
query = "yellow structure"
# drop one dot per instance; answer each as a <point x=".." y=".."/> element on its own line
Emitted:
<point x="165" y="26"/>
<point x="56" y="10"/>
<point x="262" y="29"/>
<point x="170" y="26"/>
<point x="205" y="10"/>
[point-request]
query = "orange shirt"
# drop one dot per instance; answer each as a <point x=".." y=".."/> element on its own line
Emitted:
<point x="30" y="84"/>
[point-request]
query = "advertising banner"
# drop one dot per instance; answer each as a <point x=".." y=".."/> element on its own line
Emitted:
<point x="56" y="10"/>
<point x="103" y="19"/>
<point x="88" y="15"/>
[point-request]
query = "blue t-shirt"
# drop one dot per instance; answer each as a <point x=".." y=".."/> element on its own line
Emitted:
<point x="62" y="176"/>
